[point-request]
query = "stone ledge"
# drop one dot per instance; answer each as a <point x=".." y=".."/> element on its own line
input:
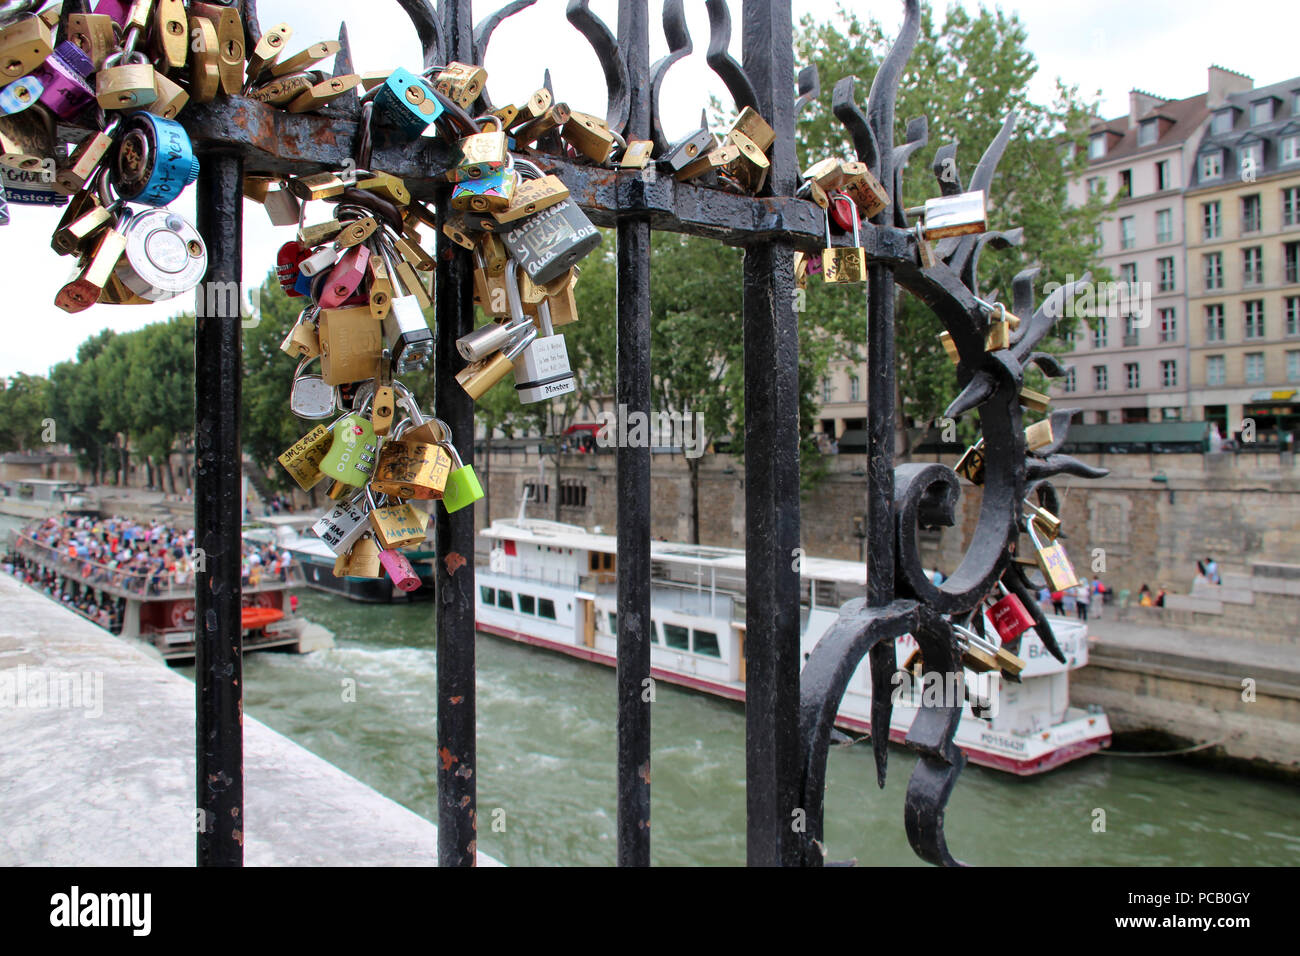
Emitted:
<point x="1184" y="602"/>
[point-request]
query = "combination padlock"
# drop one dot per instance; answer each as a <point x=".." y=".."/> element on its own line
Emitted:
<point x="844" y="264"/>
<point x="165" y="255"/>
<point x="352" y="454"/>
<point x="552" y="242"/>
<point x="153" y="161"/>
<point x="542" y="370"/>
<point x="287" y="260"/>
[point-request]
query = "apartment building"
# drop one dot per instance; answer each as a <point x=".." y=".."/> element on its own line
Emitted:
<point x="1129" y="362"/>
<point x="1243" y="250"/>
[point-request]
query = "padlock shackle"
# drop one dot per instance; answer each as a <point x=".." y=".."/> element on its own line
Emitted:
<point x="857" y="234"/>
<point x="512" y="291"/>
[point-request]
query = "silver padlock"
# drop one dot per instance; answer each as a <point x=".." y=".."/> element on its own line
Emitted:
<point x="542" y="369"/>
<point x="343" y="524"/>
<point x="489" y="338"/>
<point x="323" y="258"/>
<point x="165" y="255"/>
<point x="282" y="206"/>
<point x="406" y="332"/>
<point x="310" y="397"/>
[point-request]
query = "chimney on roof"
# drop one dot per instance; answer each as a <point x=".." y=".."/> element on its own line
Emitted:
<point x="1140" y="103"/>
<point x="1223" y="83"/>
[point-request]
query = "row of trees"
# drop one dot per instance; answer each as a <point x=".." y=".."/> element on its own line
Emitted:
<point x="135" y="390"/>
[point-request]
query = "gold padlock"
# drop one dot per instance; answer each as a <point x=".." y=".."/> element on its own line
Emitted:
<point x="564" y="304"/>
<point x="826" y="174"/>
<point x="306" y="59"/>
<point x="386" y="186"/>
<point x="480" y="376"/>
<point x="303" y="458"/>
<point x="462" y="83"/>
<point x="1046" y="522"/>
<point x="949" y="346"/>
<point x="754" y="128"/>
<point x="481" y="154"/>
<point x="326" y="91"/>
<point x="302" y="341"/>
<point x="637" y="155"/>
<point x="530" y="111"/>
<point x="27" y="139"/>
<point x="532" y="131"/>
<point x="413" y="253"/>
<point x="712" y="161"/>
<point x="351" y="343"/>
<point x="284" y="90"/>
<point x="24" y="45"/>
<point x="845" y="263"/>
<point x="532" y="196"/>
<point x="997" y="336"/>
<point x="205" y="62"/>
<point x="1039" y="435"/>
<point x="971" y="464"/>
<point x="319" y="233"/>
<point x="171" y="40"/>
<point x="751" y="166"/>
<point x="84" y="289"/>
<point x="115" y="292"/>
<point x="589" y="136"/>
<point x="380" y="287"/>
<point x="362" y="561"/>
<point x="381" y="411"/>
<point x="83" y="218"/>
<point x="85" y="159"/>
<point x="125" y="86"/>
<point x="399" y="525"/>
<point x="318" y="186"/>
<point x="408" y="469"/>
<point x="170" y="99"/>
<point x="94" y="34"/>
<point x="1053" y="561"/>
<point x="863" y="188"/>
<point x="229" y="29"/>
<point x="267" y="50"/>
<point x="1035" y="401"/>
<point x="356" y="232"/>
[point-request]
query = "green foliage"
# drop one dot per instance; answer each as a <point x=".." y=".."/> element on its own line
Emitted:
<point x="23" y="402"/>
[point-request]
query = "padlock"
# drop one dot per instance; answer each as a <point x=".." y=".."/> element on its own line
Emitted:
<point x="688" y="150"/>
<point x="462" y="488"/>
<point x="20" y="94"/>
<point x="291" y="254"/>
<point x="751" y="166"/>
<point x="398" y="525"/>
<point x="282" y="206"/>
<point x="564" y="304"/>
<point x="535" y="108"/>
<point x="24" y="45"/>
<point x="171" y="99"/>
<point x="153" y="161"/>
<point x="286" y="89"/>
<point x="411" y="469"/>
<point x="384" y="185"/>
<point x="126" y="82"/>
<point x="589" y="135"/>
<point x="407" y="103"/>
<point x="637" y="155"/>
<point x="165" y="255"/>
<point x="326" y="185"/>
<point x="1035" y="401"/>
<point x="306" y="59"/>
<point x="362" y="561"/>
<point x="866" y="191"/>
<point x="542" y="370"/>
<point x="318" y="234"/>
<point x="266" y="52"/>
<point x="1009" y="616"/>
<point x="413" y="253"/>
<point x="487" y="339"/>
<point x="399" y="570"/>
<point x="971" y="464"/>
<point x="409" y="338"/>
<point x="1039" y="435"/>
<point x="353" y="451"/>
<point x="489" y="193"/>
<point x="94" y="34"/>
<point x="552" y="242"/>
<point x="28" y="141"/>
<point x="205" y="60"/>
<point x="548" y="122"/>
<point x="378" y="286"/>
<point x="303" y="458"/>
<point x="960" y="215"/>
<point x="949" y="346"/>
<point x="461" y="83"/>
<point x="320" y="261"/>
<point x="355" y="231"/>
<point x="482" y="154"/>
<point x="170" y="38"/>
<point x="351" y="343"/>
<point x="382" y="406"/>
<point x="976" y="655"/>
<point x="801" y="269"/>
<point x="345" y="278"/>
<point x="844" y="264"/>
<point x="1053" y="561"/>
<point x="343" y="525"/>
<point x="64" y="89"/>
<point x="754" y="128"/>
<point x="480" y="376"/>
<point x="826" y="174"/>
<point x="93" y="273"/>
<point x="1048" y="523"/>
<point x="845" y="214"/>
<point x="229" y="28"/>
<point x="716" y="160"/>
<point x="310" y="397"/>
<point x="323" y="93"/>
<point x="303" y="341"/>
<point x="531" y="197"/>
<point x="84" y="217"/>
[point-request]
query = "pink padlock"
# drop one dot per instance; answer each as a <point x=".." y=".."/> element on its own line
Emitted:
<point x="400" y="570"/>
<point x="1009" y="616"/>
<point x="66" y="94"/>
<point x="119" y="10"/>
<point x="345" y="277"/>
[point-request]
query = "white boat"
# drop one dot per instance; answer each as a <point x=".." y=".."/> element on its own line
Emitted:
<point x="554" y="585"/>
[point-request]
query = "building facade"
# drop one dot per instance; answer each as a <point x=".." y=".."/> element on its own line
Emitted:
<point x="1243" y="207"/>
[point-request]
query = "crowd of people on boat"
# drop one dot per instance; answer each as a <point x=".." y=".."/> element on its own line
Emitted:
<point x="103" y="609"/>
<point x="145" y="558"/>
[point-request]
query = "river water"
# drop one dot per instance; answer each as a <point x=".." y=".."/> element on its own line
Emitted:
<point x="546" y="766"/>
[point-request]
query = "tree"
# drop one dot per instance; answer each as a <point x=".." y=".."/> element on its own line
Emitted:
<point x="23" y="402"/>
<point x="964" y="76"/>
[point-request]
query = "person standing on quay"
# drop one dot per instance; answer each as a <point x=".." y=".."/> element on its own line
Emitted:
<point x="1082" y="597"/>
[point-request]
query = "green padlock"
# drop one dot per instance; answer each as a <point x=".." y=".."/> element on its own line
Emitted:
<point x="351" y="458"/>
<point x="462" y="488"/>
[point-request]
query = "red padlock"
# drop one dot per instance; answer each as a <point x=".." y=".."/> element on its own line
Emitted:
<point x="1009" y="616"/>
<point x="400" y="570"/>
<point x="286" y="266"/>
<point x="844" y="211"/>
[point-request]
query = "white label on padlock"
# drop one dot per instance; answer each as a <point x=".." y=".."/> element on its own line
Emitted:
<point x="341" y="527"/>
<point x="312" y="398"/>
<point x="542" y="371"/>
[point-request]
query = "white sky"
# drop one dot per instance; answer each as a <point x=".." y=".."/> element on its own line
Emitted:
<point x="1105" y="46"/>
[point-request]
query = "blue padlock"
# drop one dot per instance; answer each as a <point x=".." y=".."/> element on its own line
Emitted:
<point x="407" y="102"/>
<point x="20" y="94"/>
<point x="154" y="160"/>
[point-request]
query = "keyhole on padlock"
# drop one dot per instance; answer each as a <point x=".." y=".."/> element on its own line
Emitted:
<point x="174" y="28"/>
<point x="13" y="66"/>
<point x="234" y="51"/>
<point x="126" y="98"/>
<point x="195" y="247"/>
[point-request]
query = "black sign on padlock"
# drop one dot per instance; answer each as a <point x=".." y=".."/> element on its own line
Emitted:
<point x="550" y="243"/>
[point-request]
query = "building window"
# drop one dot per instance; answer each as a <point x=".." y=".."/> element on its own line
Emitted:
<point x="1291" y="206"/>
<point x="1291" y="149"/>
<point x="1132" y="375"/>
<point x="1097" y="146"/>
<point x="855" y="389"/>
<point x="1250" y="218"/>
<point x="1166" y="274"/>
<point x="1295" y="103"/>
<point x="1131" y="330"/>
<point x="1255" y="319"/>
<point x="1214" y="323"/>
<point x="1128" y="272"/>
<point x="1100" y="378"/>
<point x="1254" y="368"/>
<point x="1293" y="366"/>
<point x="1222" y="122"/>
<point x="573" y="494"/>
<point x="1261" y="112"/>
<point x="1164" y="225"/>
<point x="1214" y="271"/>
<point x="1291" y="261"/>
<point x="1125" y="183"/>
<point x="1069" y="385"/>
<point x="1163" y="181"/>
<point x="1210" y="222"/>
<point x="1147" y="133"/>
<point x="1212" y="165"/>
<point x="1168" y="325"/>
<point x="826" y="388"/>
<point x="1127" y="232"/>
<point x="1251" y="159"/>
<point x="1171" y="414"/>
<point x="1252" y="266"/>
<point x="1292" y="309"/>
<point x="536" y="493"/>
<point x="1169" y="374"/>
<point x="1215" y="370"/>
<point x="1099" y="333"/>
<point x="1094" y="185"/>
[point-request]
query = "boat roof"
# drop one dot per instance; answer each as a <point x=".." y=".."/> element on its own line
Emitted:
<point x="556" y="534"/>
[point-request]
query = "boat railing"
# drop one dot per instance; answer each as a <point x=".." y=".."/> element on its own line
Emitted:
<point x="133" y="583"/>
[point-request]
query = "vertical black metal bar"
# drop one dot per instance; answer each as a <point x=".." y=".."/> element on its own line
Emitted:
<point x="633" y="391"/>
<point x="218" y="662"/>
<point x="772" y="472"/>
<point x="457" y="718"/>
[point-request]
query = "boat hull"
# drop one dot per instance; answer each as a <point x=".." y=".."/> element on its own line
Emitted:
<point x="366" y="590"/>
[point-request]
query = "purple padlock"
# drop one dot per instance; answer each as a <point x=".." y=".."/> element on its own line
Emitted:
<point x="66" y="94"/>
<point x="400" y="570"/>
<point x="119" y="10"/>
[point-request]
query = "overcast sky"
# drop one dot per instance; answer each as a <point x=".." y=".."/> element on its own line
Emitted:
<point x="1106" y="47"/>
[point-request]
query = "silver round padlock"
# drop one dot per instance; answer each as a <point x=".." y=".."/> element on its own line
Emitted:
<point x="165" y="255"/>
<point x="310" y="397"/>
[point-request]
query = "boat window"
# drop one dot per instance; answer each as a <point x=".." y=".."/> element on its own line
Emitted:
<point x="613" y="623"/>
<point x="609" y="562"/>
<point x="546" y="608"/>
<point x="505" y="600"/>
<point x="489" y="595"/>
<point x="677" y="637"/>
<point x="706" y="642"/>
<point x="527" y="605"/>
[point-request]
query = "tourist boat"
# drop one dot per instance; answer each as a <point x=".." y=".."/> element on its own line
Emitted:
<point x="553" y="585"/>
<point x="46" y="497"/>
<point x="293" y="534"/>
<point x="159" y="610"/>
